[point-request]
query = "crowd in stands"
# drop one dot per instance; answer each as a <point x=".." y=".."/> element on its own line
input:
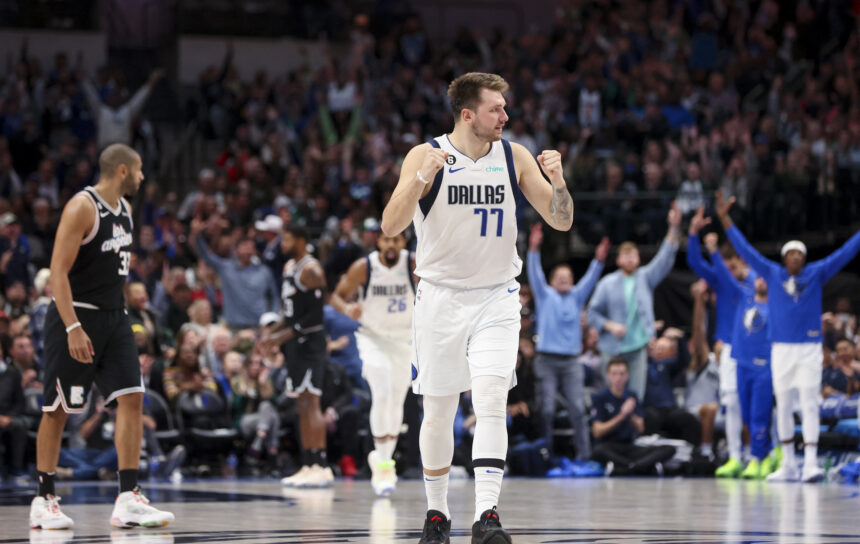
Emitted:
<point x="658" y="103"/>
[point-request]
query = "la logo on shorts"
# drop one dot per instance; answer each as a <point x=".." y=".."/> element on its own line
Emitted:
<point x="76" y="396"/>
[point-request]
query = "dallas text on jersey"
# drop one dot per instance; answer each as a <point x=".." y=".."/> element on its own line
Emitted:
<point x="476" y="194"/>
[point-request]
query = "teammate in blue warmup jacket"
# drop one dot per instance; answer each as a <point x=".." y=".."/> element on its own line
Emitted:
<point x="728" y="299"/>
<point x="750" y="336"/>
<point x="795" y="308"/>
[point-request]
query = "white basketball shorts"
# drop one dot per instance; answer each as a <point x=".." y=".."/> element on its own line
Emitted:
<point x="389" y="356"/>
<point x="459" y="334"/>
<point x="796" y="366"/>
<point x="728" y="372"/>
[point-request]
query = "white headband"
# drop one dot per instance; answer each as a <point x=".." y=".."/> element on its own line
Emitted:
<point x="794" y="245"/>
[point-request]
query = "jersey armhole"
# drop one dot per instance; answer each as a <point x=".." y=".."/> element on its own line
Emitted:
<point x="96" y="221"/>
<point x="408" y="260"/>
<point x="127" y="208"/>
<point x="366" y="277"/>
<point x="512" y="173"/>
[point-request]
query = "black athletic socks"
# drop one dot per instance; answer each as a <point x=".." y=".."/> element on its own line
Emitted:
<point x="127" y="480"/>
<point x="46" y="483"/>
<point x="316" y="456"/>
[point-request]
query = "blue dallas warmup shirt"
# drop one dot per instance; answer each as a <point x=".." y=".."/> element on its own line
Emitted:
<point x="558" y="316"/>
<point x="605" y="406"/>
<point x="728" y="297"/>
<point x="795" y="301"/>
<point x="751" y="323"/>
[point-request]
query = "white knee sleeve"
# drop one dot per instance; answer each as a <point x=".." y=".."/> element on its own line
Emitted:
<point x="490" y="401"/>
<point x="810" y="417"/>
<point x="380" y="385"/>
<point x="436" y="439"/>
<point x="395" y="414"/>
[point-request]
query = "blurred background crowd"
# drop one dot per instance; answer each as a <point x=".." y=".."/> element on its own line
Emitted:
<point x="649" y="102"/>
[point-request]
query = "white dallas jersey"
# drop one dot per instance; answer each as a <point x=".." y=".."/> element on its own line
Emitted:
<point x="387" y="297"/>
<point x="466" y="226"/>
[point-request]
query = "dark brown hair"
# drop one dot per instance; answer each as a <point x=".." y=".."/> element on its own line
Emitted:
<point x="465" y="91"/>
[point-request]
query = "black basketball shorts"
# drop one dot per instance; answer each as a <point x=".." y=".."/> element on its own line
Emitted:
<point x="115" y="368"/>
<point x="306" y="361"/>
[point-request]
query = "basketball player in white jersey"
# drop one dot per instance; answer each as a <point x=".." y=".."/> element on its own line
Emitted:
<point x="460" y="191"/>
<point x="384" y="341"/>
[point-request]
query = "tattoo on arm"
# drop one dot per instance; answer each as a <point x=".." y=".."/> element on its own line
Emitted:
<point x="561" y="206"/>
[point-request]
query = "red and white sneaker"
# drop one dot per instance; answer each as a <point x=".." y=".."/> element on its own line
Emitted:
<point x="132" y="509"/>
<point x="45" y="513"/>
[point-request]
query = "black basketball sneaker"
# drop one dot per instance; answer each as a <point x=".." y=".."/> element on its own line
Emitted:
<point x="488" y="530"/>
<point x="437" y="528"/>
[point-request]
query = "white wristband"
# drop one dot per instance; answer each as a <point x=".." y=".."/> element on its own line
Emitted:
<point x="73" y="326"/>
<point x="421" y="178"/>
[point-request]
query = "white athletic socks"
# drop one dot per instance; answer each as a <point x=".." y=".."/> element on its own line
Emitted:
<point x="385" y="449"/>
<point x="488" y="487"/>
<point x="788" y="458"/>
<point x="436" y="488"/>
<point x="810" y="455"/>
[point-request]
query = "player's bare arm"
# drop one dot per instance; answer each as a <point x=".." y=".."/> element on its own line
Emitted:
<point x="313" y="276"/>
<point x="673" y="219"/>
<point x="75" y="223"/>
<point x="723" y="207"/>
<point x="346" y="288"/>
<point x="551" y="200"/>
<point x="416" y="174"/>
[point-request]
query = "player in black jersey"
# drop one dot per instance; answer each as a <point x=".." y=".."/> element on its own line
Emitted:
<point x="88" y="338"/>
<point x="301" y="332"/>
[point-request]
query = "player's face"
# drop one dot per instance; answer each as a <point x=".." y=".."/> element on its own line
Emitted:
<point x="255" y="365"/>
<point x="794" y="261"/>
<point x="562" y="280"/>
<point x="187" y="356"/>
<point x="628" y="260"/>
<point x="844" y="351"/>
<point x="617" y="376"/>
<point x="390" y="247"/>
<point x="662" y="348"/>
<point x="738" y="268"/>
<point x="490" y="116"/>
<point x="137" y="296"/>
<point x="245" y="251"/>
<point x="288" y="245"/>
<point x="132" y="180"/>
<point x="760" y="287"/>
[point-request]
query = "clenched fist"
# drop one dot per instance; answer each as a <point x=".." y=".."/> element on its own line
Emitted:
<point x="433" y="162"/>
<point x="550" y="163"/>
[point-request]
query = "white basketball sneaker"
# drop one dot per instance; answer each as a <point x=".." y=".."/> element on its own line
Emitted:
<point x="292" y="481"/>
<point x="45" y="513"/>
<point x="784" y="474"/>
<point x="317" y="476"/>
<point x="384" y="476"/>
<point x="59" y="536"/>
<point x="132" y="509"/>
<point x="812" y="474"/>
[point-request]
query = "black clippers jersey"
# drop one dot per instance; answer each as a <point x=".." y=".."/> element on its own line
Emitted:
<point x="303" y="307"/>
<point x="98" y="275"/>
